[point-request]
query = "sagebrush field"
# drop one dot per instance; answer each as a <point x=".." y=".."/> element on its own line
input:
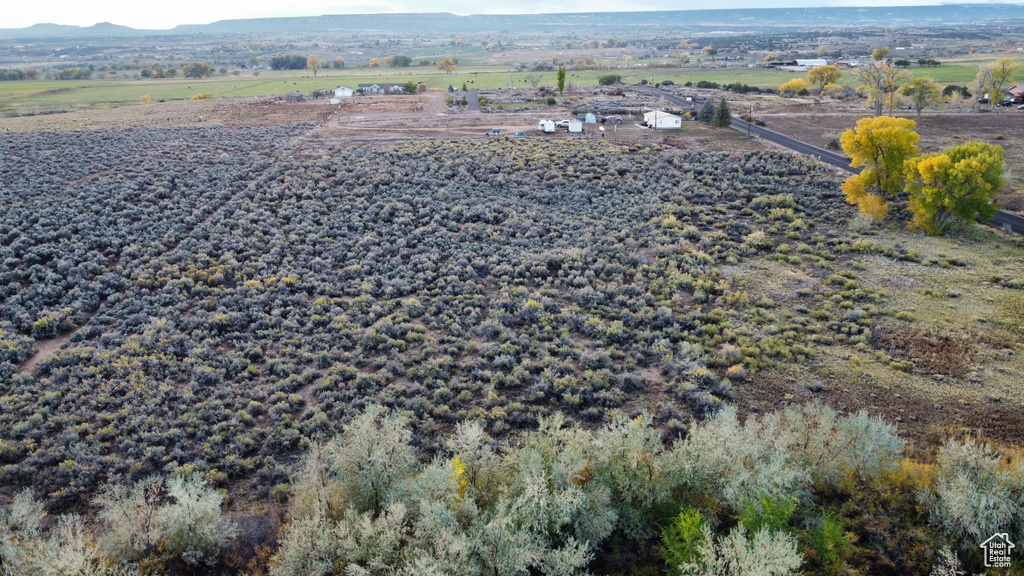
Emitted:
<point x="181" y="301"/>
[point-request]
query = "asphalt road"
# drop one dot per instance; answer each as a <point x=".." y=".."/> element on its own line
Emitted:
<point x="1004" y="220"/>
<point x="473" y="100"/>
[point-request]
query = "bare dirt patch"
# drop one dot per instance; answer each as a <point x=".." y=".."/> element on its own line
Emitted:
<point x="932" y="352"/>
<point x="43" y="348"/>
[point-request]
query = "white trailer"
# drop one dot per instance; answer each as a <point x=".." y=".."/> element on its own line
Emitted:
<point x="547" y="126"/>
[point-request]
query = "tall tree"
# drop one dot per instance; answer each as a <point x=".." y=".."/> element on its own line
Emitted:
<point x="560" y="78"/>
<point x="882" y="145"/>
<point x="448" y="65"/>
<point x="723" y="116"/>
<point x="922" y="92"/>
<point x="706" y="114"/>
<point x="825" y="74"/>
<point x="314" y="63"/>
<point x="993" y="78"/>
<point x="956" y="185"/>
<point x="881" y="81"/>
<point x="197" y="70"/>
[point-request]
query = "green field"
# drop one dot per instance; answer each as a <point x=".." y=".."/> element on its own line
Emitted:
<point x="34" y="96"/>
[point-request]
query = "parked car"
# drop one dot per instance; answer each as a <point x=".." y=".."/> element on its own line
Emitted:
<point x="983" y="100"/>
<point x="1021" y="107"/>
<point x="562" y="124"/>
<point x="1007" y="102"/>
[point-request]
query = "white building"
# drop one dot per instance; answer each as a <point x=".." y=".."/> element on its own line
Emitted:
<point x="343" y="92"/>
<point x="662" y="120"/>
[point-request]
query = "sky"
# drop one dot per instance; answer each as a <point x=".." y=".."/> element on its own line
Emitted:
<point x="162" y="15"/>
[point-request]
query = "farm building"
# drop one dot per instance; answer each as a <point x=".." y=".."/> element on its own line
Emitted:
<point x="1016" y="93"/>
<point x="343" y="92"/>
<point x="295" y="97"/>
<point x="662" y="120"/>
<point x="371" y="88"/>
<point x="812" y="63"/>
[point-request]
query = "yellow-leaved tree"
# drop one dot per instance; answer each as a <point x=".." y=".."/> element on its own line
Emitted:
<point x="448" y="65"/>
<point x="953" y="186"/>
<point x="882" y="145"/>
<point x="795" y="87"/>
<point x="823" y="75"/>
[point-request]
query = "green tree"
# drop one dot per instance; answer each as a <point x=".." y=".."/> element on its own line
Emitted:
<point x="314" y="63"/>
<point x="398" y="61"/>
<point x="825" y="74"/>
<point x="954" y="186"/>
<point x="560" y="79"/>
<point x="882" y="145"/>
<point x="339" y="63"/>
<point x="197" y="70"/>
<point x="922" y="92"/>
<point x="706" y="114"/>
<point x="880" y="54"/>
<point x="723" y="116"/>
<point x="609" y="79"/>
<point x="411" y="87"/>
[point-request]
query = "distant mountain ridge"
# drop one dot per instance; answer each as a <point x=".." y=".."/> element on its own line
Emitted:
<point x="941" y="15"/>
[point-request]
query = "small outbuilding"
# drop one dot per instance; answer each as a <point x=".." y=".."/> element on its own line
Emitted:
<point x="590" y="118"/>
<point x="660" y="120"/>
<point x="343" y="92"/>
<point x="295" y="97"/>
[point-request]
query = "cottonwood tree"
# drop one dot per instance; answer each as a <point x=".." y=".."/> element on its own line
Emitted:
<point x="881" y="82"/>
<point x="922" y="92"/>
<point x="881" y="145"/>
<point x="992" y="79"/>
<point x="197" y="70"/>
<point x="824" y="75"/>
<point x="956" y="185"/>
<point x="314" y="63"/>
<point x="448" y="65"/>
<point x="560" y="79"/>
<point x="795" y="87"/>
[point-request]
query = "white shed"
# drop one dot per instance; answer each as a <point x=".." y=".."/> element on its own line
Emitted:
<point x="343" y="92"/>
<point x="662" y="120"/>
<point x="575" y="126"/>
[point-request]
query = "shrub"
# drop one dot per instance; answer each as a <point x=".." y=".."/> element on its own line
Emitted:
<point x="765" y="554"/>
<point x="974" y="496"/>
<point x="681" y="540"/>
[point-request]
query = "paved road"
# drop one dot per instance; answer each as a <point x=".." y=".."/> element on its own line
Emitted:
<point x="1004" y="220"/>
<point x="473" y="100"/>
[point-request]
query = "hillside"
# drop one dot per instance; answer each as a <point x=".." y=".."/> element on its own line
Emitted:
<point x="740" y="20"/>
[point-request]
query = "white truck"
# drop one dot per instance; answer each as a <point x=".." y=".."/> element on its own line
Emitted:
<point x="546" y="126"/>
